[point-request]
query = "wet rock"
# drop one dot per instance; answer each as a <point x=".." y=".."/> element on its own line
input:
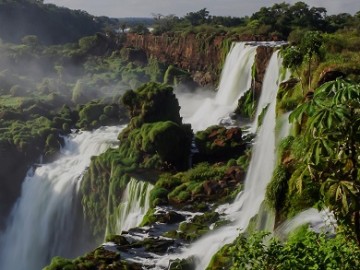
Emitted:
<point x="262" y="58"/>
<point x="105" y="255"/>
<point x="329" y="74"/>
<point x="136" y="56"/>
<point x="182" y="264"/>
<point x="211" y="187"/>
<point x="170" y="217"/>
<point x="235" y="173"/>
<point x="157" y="245"/>
<point x="117" y="239"/>
<point x="289" y="84"/>
<point x="218" y="143"/>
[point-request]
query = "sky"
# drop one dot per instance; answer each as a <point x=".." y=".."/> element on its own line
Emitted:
<point x="238" y="8"/>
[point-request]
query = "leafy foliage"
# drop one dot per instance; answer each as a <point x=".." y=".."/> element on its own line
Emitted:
<point x="330" y="133"/>
<point x="22" y="18"/>
<point x="306" y="250"/>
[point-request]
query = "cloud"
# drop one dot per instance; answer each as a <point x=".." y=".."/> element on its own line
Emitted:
<point x="144" y="8"/>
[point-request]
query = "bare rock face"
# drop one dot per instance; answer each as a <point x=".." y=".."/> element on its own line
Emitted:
<point x="329" y="75"/>
<point x="262" y="58"/>
<point x="200" y="55"/>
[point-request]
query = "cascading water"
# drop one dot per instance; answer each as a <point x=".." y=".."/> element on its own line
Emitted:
<point x="270" y="87"/>
<point x="135" y="202"/>
<point x="260" y="170"/>
<point x="41" y="224"/>
<point x="323" y="221"/>
<point x="235" y="81"/>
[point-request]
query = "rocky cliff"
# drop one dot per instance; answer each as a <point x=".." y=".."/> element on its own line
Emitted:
<point x="201" y="54"/>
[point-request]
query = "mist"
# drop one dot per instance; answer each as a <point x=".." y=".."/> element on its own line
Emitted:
<point x="191" y="100"/>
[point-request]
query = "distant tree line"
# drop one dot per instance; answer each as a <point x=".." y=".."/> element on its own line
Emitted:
<point x="281" y="19"/>
<point x="51" y="24"/>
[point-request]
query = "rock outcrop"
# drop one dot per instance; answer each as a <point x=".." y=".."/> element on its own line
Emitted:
<point x="200" y="54"/>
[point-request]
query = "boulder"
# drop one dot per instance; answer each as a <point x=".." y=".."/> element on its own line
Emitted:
<point x="328" y="75"/>
<point x="218" y="143"/>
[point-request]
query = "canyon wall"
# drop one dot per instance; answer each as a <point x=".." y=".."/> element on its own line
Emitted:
<point x="200" y="54"/>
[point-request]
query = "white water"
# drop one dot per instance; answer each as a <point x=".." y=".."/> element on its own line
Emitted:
<point x="235" y="81"/>
<point x="248" y="202"/>
<point x="284" y="127"/>
<point x="41" y="224"/>
<point x="269" y="88"/>
<point x="323" y="221"/>
<point x="135" y="202"/>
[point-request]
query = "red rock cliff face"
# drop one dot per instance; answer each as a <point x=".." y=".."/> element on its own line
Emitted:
<point x="202" y="55"/>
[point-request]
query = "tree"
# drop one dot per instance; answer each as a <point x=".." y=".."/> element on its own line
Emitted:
<point x="307" y="50"/>
<point x="310" y="48"/>
<point x="123" y="27"/>
<point x="198" y="17"/>
<point x="139" y="29"/>
<point x="331" y="148"/>
<point x="164" y="23"/>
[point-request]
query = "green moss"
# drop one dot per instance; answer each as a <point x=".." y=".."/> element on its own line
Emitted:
<point x="262" y="115"/>
<point x="221" y="260"/>
<point x="288" y="97"/>
<point x="244" y="160"/>
<point x="175" y="76"/>
<point x="247" y="105"/>
<point x="155" y="70"/>
<point x="149" y="218"/>
<point x="96" y="113"/>
<point x="277" y="189"/>
<point x="152" y="102"/>
<point x="218" y="143"/>
<point x="158" y="196"/>
<point x="61" y="263"/>
<point x="100" y="258"/>
<point x="145" y="144"/>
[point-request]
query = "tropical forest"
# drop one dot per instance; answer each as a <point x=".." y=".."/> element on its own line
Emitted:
<point x="195" y="142"/>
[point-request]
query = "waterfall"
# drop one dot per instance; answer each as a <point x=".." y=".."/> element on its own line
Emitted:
<point x="323" y="221"/>
<point x="248" y="202"/>
<point x="269" y="89"/>
<point x="234" y="82"/>
<point x="283" y="127"/>
<point x="41" y="224"/>
<point x="135" y="202"/>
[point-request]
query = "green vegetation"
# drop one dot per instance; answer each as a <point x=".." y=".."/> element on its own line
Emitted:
<point x="281" y="20"/>
<point x="303" y="250"/>
<point x="218" y="143"/>
<point x="329" y="138"/>
<point x="247" y="105"/>
<point x="155" y="139"/>
<point x="24" y="18"/>
<point x="100" y="258"/>
<point x="46" y="90"/>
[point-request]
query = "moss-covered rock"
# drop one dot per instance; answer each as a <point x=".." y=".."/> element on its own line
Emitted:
<point x="152" y="102"/>
<point x="154" y="141"/>
<point x="218" y="143"/>
<point x="184" y="264"/>
<point x="247" y="105"/>
<point x="96" y="113"/>
<point x="100" y="258"/>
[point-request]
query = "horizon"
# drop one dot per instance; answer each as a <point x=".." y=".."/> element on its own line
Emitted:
<point x="144" y="9"/>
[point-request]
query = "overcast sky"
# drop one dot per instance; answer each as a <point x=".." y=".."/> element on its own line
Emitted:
<point x="239" y="8"/>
